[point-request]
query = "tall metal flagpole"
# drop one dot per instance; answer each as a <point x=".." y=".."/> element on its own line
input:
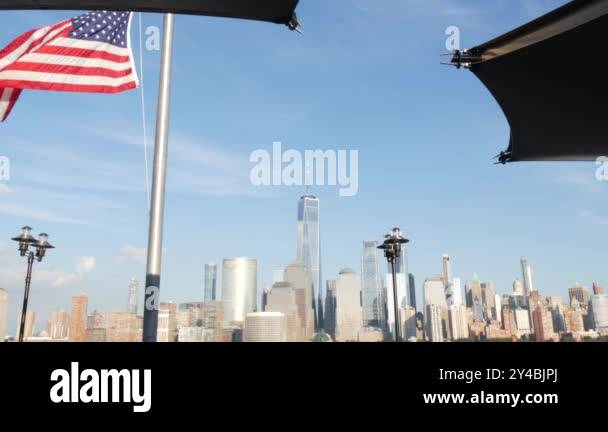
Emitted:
<point x="157" y="209"/>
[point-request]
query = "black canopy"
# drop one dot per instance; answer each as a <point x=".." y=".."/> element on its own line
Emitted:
<point x="548" y="78"/>
<point x="276" y="11"/>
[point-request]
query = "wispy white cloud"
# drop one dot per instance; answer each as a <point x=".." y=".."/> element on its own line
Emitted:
<point x="54" y="279"/>
<point x="132" y="253"/>
<point x="204" y="168"/>
<point x="37" y="213"/>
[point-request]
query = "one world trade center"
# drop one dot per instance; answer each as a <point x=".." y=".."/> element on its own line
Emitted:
<point x="309" y="249"/>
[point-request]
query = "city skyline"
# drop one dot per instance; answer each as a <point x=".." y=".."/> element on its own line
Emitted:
<point x="240" y="293"/>
<point x="443" y="306"/>
<point x="398" y="107"/>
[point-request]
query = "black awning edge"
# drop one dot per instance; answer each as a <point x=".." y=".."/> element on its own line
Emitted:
<point x="560" y="20"/>
<point x="275" y="11"/>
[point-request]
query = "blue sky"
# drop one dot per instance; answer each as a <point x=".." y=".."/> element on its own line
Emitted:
<point x="364" y="76"/>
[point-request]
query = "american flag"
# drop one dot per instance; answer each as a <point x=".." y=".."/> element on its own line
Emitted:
<point x="89" y="53"/>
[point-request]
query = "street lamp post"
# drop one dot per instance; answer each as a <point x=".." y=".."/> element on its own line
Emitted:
<point x="392" y="251"/>
<point x="26" y="240"/>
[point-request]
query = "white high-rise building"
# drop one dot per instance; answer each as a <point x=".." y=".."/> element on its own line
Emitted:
<point x="434" y="294"/>
<point x="132" y="298"/>
<point x="408" y="323"/>
<point x="458" y="322"/>
<point x="349" y="313"/>
<point x="522" y="320"/>
<point x="527" y="276"/>
<point x="3" y="313"/>
<point x="433" y="322"/>
<point x="265" y="327"/>
<point x="456" y="293"/>
<point x="599" y="306"/>
<point x="239" y="289"/>
<point x="498" y="307"/>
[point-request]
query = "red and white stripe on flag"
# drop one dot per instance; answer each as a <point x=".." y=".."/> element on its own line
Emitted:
<point x="8" y="98"/>
<point x="50" y="59"/>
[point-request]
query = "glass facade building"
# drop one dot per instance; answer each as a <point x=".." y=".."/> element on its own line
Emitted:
<point x="371" y="287"/>
<point x="599" y="306"/>
<point x="210" y="293"/>
<point x="239" y="289"/>
<point x="309" y="249"/>
<point x="526" y="271"/>
<point x="330" y="309"/>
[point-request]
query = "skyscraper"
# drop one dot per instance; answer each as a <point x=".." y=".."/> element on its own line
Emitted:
<point x="265" y="294"/>
<point x="509" y="323"/>
<point x="488" y="300"/>
<point x="527" y="276"/>
<point x="580" y="293"/>
<point x="411" y="286"/>
<point x="132" y="299"/>
<point x="330" y="309"/>
<point x="60" y="325"/>
<point x="283" y="298"/>
<point x="599" y="308"/>
<point x="210" y="293"/>
<point x="371" y="287"/>
<point x="474" y="298"/>
<point x="522" y="321"/>
<point x="573" y="320"/>
<point x="456" y="293"/>
<point x="447" y="278"/>
<point x="543" y="323"/>
<point x="78" y="318"/>
<point x="300" y="278"/>
<point x="434" y="293"/>
<point x="497" y="307"/>
<point x="408" y="323"/>
<point x="309" y="249"/>
<point x="349" y="314"/>
<point x="3" y="313"/>
<point x="239" y="289"/>
<point x="433" y="322"/>
<point x="458" y="322"/>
